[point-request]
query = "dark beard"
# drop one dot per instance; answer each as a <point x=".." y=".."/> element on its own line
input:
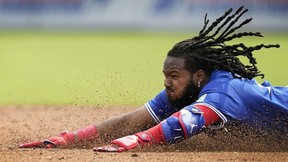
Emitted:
<point x="189" y="95"/>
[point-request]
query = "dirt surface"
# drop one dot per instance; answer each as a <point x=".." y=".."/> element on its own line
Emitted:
<point x="22" y="124"/>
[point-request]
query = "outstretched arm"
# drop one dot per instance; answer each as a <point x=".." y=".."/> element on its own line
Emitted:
<point x="128" y="123"/>
<point x="111" y="128"/>
<point x="181" y="125"/>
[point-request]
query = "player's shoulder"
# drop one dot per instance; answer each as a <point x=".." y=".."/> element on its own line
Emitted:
<point x="216" y="74"/>
<point x="218" y="80"/>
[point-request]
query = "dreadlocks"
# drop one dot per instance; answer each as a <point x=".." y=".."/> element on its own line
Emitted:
<point x="209" y="51"/>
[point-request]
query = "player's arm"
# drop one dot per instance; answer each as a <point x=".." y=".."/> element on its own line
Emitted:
<point x="114" y="127"/>
<point x="181" y="125"/>
<point x="131" y="122"/>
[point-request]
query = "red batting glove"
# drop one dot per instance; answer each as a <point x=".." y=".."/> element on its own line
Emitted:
<point x="65" y="138"/>
<point x="62" y="140"/>
<point x="127" y="143"/>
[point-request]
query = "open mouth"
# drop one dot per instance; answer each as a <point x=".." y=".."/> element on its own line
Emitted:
<point x="169" y="91"/>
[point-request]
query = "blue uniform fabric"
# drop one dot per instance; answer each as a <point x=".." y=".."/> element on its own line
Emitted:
<point x="234" y="99"/>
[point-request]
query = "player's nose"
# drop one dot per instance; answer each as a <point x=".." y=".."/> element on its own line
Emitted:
<point x="167" y="83"/>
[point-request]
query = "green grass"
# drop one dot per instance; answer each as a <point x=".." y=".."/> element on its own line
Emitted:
<point x="90" y="68"/>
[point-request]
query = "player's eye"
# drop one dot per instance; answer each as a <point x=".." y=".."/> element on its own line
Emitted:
<point x="175" y="76"/>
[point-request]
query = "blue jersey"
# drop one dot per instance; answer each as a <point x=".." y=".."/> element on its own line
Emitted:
<point x="234" y="99"/>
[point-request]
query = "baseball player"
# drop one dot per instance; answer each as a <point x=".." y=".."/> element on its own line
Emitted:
<point x="206" y="87"/>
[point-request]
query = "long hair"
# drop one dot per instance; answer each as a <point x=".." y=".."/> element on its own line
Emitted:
<point x="208" y="51"/>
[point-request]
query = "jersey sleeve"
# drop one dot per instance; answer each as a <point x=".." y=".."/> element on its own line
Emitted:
<point x="227" y="106"/>
<point x="209" y="109"/>
<point x="159" y="107"/>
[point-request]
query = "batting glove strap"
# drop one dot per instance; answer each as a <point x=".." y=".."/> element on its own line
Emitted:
<point x="145" y="138"/>
<point x="63" y="139"/>
<point x="54" y="142"/>
<point x="132" y="141"/>
<point x="127" y="142"/>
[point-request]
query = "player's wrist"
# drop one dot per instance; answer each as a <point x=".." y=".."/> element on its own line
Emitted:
<point x="79" y="135"/>
<point x="86" y="133"/>
<point x="69" y="137"/>
<point x="126" y="143"/>
<point x="144" y="138"/>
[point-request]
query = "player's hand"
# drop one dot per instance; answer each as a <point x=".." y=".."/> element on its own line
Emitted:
<point x="126" y="143"/>
<point x="60" y="141"/>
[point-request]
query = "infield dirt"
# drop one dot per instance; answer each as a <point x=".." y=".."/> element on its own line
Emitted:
<point x="22" y="124"/>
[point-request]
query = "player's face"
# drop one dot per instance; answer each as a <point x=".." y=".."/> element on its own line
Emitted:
<point x="179" y="83"/>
